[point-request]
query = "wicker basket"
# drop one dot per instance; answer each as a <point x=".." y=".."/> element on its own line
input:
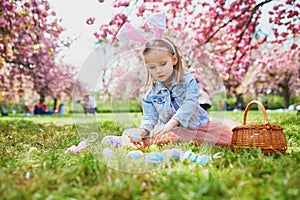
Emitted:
<point x="269" y="138"/>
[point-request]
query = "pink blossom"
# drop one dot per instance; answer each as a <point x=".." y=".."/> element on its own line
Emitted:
<point x="27" y="4"/>
<point x="97" y="35"/>
<point x="294" y="46"/>
<point x="90" y="20"/>
<point x="8" y="6"/>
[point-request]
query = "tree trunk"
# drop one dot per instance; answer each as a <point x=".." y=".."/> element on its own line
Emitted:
<point x="54" y="104"/>
<point x="286" y="96"/>
<point x="286" y="90"/>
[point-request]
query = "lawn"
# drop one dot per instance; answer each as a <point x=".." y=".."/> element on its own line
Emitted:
<point x="34" y="166"/>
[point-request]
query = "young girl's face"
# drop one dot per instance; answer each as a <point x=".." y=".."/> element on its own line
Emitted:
<point x="160" y="64"/>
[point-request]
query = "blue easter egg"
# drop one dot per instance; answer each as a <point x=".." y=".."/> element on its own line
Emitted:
<point x="154" y="157"/>
<point x="136" y="154"/>
<point x="175" y="154"/>
<point x="203" y="159"/>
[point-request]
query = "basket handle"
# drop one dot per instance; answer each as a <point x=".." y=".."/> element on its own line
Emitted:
<point x="261" y="106"/>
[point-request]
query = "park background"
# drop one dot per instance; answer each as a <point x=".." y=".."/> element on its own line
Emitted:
<point x="248" y="50"/>
<point x="241" y="49"/>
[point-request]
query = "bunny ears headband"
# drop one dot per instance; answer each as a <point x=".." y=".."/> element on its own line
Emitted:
<point x="157" y="21"/>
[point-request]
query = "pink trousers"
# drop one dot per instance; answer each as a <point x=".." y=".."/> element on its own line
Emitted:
<point x="216" y="132"/>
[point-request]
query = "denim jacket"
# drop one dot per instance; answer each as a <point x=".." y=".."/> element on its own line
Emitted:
<point x="180" y="103"/>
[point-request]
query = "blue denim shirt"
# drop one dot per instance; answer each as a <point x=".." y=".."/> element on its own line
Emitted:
<point x="158" y="109"/>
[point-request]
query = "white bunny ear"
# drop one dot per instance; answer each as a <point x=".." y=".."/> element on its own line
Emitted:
<point x="122" y="35"/>
<point x="158" y="22"/>
<point x="128" y="32"/>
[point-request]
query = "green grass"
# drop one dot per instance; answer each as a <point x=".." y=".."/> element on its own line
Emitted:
<point x="36" y="145"/>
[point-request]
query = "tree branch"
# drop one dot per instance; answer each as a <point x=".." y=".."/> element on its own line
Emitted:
<point x="236" y="17"/>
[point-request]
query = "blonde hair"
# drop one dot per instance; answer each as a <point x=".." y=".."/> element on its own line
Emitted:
<point x="169" y="45"/>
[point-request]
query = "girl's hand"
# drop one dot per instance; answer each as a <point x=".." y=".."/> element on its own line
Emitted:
<point x="159" y="131"/>
<point x="137" y="136"/>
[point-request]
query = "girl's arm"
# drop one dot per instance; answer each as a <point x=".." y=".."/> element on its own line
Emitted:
<point x="169" y="126"/>
<point x="187" y="109"/>
<point x="150" y="115"/>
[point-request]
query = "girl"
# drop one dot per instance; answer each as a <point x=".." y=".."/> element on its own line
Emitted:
<point x="171" y="112"/>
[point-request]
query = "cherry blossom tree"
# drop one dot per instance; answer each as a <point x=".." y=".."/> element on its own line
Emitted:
<point x="275" y="70"/>
<point x="29" y="44"/>
<point x="222" y="32"/>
